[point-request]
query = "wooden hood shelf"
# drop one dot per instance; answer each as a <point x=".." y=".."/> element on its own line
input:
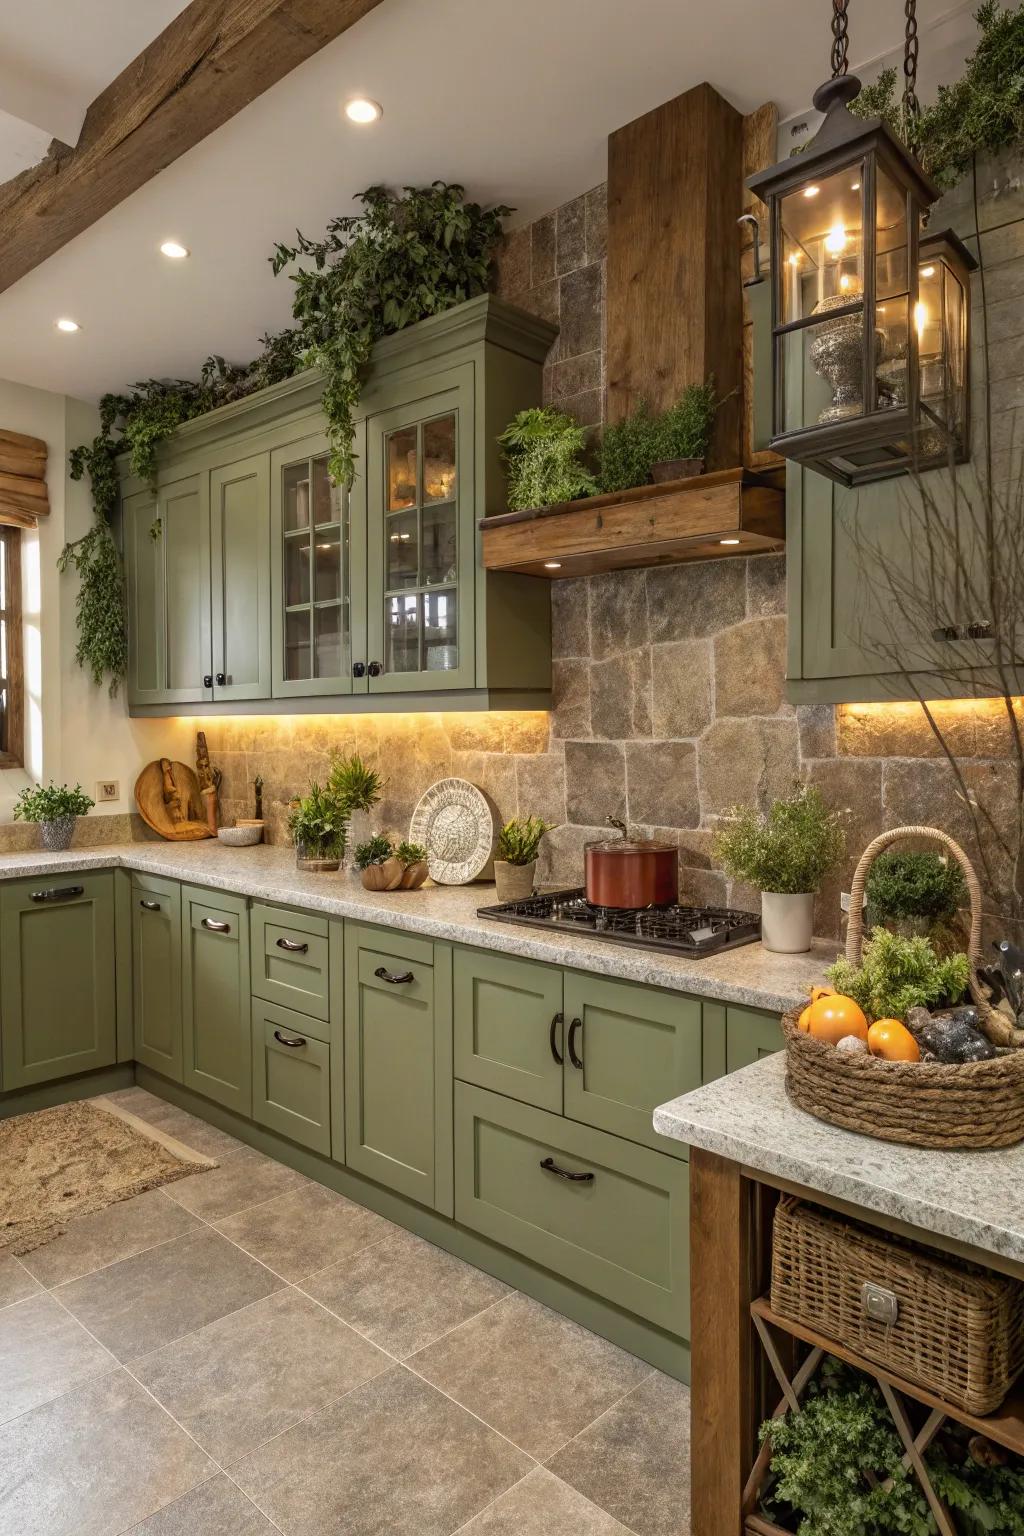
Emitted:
<point x="651" y="525"/>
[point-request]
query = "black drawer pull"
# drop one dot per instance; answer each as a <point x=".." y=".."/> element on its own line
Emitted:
<point x="58" y="893"/>
<point x="556" y="1024"/>
<point x="291" y="946"/>
<point x="550" y="1166"/>
<point x="149" y="906"/>
<point x="283" y="1040"/>
<point x="215" y="927"/>
<point x="396" y="978"/>
<point x="574" y="1028"/>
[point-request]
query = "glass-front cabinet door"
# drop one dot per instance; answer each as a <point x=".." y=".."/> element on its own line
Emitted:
<point x="420" y="551"/>
<point x="311" y="574"/>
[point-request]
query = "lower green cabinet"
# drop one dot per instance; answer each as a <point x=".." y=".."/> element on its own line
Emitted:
<point x="290" y="962"/>
<point x="398" y="1063"/>
<point x="156" y="973"/>
<point x="291" y="1077"/>
<point x="609" y="1216"/>
<point x="509" y="1026"/>
<point x="217" y="1058"/>
<point x="749" y="1035"/>
<point x="57" y="991"/>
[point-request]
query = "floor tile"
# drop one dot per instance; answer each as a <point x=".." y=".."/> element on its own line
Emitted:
<point x="250" y="1376"/>
<point x="195" y="1133"/>
<point x="392" y="1457"/>
<point x="404" y="1293"/>
<point x="542" y="1506"/>
<point x="43" y="1353"/>
<point x="532" y="1374"/>
<point x="93" y="1461"/>
<point x="635" y="1461"/>
<point x="102" y="1237"/>
<point x="146" y="1301"/>
<point x="304" y="1231"/>
<point x="216" y="1508"/>
<point x="246" y="1179"/>
<point x="15" y="1281"/>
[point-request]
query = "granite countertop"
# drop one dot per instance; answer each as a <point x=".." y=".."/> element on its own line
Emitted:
<point x="971" y="1197"/>
<point x="748" y="975"/>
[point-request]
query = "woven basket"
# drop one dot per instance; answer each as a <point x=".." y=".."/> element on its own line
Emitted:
<point x="922" y="1104"/>
<point x="959" y="1329"/>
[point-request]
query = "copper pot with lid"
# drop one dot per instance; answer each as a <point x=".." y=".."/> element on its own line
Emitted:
<point x="631" y="872"/>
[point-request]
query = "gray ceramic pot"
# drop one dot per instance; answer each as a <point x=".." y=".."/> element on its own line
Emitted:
<point x="56" y="835"/>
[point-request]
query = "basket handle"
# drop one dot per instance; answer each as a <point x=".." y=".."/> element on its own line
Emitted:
<point x="855" y="926"/>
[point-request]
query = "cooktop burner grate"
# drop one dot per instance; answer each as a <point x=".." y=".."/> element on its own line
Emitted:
<point x="674" y="929"/>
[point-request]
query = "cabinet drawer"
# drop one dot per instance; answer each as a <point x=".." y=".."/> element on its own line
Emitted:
<point x="509" y="1033"/>
<point x="628" y="1049"/>
<point x="291" y="1077"/>
<point x="290" y="964"/>
<point x="622" y="1233"/>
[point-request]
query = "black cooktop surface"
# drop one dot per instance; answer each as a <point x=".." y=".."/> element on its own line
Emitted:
<point x="675" y="930"/>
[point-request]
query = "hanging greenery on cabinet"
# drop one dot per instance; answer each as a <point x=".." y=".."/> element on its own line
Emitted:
<point x="404" y="257"/>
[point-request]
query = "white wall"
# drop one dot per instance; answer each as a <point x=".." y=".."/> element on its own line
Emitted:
<point x="74" y="731"/>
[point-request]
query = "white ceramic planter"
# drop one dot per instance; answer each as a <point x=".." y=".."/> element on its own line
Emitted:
<point x="787" y="922"/>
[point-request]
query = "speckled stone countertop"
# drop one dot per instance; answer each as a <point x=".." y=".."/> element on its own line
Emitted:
<point x="972" y="1197"/>
<point x="747" y="975"/>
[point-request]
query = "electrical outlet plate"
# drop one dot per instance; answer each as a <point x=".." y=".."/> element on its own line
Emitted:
<point x="107" y="790"/>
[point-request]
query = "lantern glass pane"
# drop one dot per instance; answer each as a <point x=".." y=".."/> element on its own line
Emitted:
<point x="822" y="245"/>
<point x="822" y="372"/>
<point x="940" y="321"/>
<point x="892" y="331"/>
<point x="890" y="237"/>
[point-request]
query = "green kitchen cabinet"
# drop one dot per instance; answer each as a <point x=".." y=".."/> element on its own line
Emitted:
<point x="398" y="1063"/>
<point x="509" y="1026"/>
<point x="217" y="1055"/>
<point x="291" y="1077"/>
<point x="167" y="578"/>
<point x="749" y="1036"/>
<point x="240" y="579"/>
<point x="57" y="980"/>
<point x="608" y="1215"/>
<point x="156" y="973"/>
<point x="627" y="1049"/>
<point x="291" y="963"/>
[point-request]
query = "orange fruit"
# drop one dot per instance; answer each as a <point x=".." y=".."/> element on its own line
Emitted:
<point x="892" y="1041"/>
<point x="805" y="1018"/>
<point x="822" y="991"/>
<point x="833" y="1016"/>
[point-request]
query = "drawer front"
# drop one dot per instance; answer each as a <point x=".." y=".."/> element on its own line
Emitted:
<point x="290" y="964"/>
<point x="509" y="1030"/>
<point x="156" y="973"/>
<point x="622" y="1233"/>
<point x="750" y="1036"/>
<point x="628" y="1049"/>
<point x="291" y="1077"/>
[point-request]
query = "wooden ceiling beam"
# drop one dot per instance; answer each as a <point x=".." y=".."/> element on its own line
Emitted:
<point x="213" y="59"/>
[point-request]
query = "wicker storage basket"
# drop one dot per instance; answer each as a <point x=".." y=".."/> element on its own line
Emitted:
<point x="959" y="1330"/>
<point x="922" y="1104"/>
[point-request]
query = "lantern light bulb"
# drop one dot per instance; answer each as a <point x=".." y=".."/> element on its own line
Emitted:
<point x="835" y="240"/>
<point x="794" y="260"/>
<point x="854" y="186"/>
<point x="845" y="281"/>
<point x="920" y="319"/>
<point x="927" y="271"/>
<point x="811" y="191"/>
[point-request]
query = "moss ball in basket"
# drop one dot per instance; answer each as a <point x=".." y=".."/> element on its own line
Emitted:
<point x="904" y="1093"/>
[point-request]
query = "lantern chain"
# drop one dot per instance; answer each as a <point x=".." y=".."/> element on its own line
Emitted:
<point x="840" y="38"/>
<point x="911" y="105"/>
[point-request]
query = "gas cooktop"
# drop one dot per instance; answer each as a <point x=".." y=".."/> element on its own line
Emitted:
<point x="676" y="930"/>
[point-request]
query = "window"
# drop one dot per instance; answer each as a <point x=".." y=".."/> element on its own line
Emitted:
<point x="12" y="685"/>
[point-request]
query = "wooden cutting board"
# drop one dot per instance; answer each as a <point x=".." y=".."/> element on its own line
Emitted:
<point x="168" y="798"/>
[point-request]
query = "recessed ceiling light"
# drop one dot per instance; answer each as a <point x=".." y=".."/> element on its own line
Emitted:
<point x="175" y="250"/>
<point x="552" y="565"/>
<point x="728" y="541"/>
<point x="811" y="191"/>
<point x="362" y="110"/>
<point x="64" y="324"/>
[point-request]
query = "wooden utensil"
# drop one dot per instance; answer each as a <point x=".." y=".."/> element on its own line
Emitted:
<point x="168" y="798"/>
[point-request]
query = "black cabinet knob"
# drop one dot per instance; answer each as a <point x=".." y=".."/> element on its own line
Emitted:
<point x="359" y="669"/>
<point x="221" y="679"/>
<point x="375" y="669"/>
<point x="207" y="679"/>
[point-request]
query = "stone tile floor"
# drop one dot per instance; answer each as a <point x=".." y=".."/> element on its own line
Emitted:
<point x="245" y="1352"/>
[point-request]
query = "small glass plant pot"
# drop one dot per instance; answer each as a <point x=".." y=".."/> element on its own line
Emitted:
<point x="56" y="835"/>
<point x="311" y="858"/>
<point x="514" y="882"/>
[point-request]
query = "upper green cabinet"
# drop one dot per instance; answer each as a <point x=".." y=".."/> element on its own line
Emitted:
<point x="252" y="579"/>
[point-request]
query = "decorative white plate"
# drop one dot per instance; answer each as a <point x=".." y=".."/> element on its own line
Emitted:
<point x="457" y="825"/>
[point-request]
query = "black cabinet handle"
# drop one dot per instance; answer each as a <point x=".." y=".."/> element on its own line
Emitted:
<point x="58" y="893"/>
<point x="149" y="906"/>
<point x="284" y="1040"/>
<point x="396" y="978"/>
<point x="291" y="946"/>
<point x="550" y="1166"/>
<point x="375" y="669"/>
<point x="570" y="1044"/>
<point x="221" y="679"/>
<point x="207" y="679"/>
<point x="215" y="927"/>
<point x="556" y="1024"/>
<point x="359" y="669"/>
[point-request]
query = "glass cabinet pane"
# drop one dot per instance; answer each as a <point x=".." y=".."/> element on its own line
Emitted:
<point x="440" y="633"/>
<point x="402" y="553"/>
<point x="296" y="570"/>
<point x="328" y="640"/>
<point x="403" y="634"/>
<point x="296" y="646"/>
<point x="315" y="576"/>
<point x="326" y="497"/>
<point x="327" y="566"/>
<point x="402" y="477"/>
<point x="296" y="497"/>
<point x="439" y="544"/>
<point x="439" y="459"/>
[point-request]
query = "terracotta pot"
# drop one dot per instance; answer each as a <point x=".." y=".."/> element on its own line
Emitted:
<point x="514" y="882"/>
<point x="383" y="877"/>
<point x="414" y="875"/>
<point x="626" y="873"/>
<point x="676" y="469"/>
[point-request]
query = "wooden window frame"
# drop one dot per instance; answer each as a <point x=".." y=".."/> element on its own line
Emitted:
<point x="12" y="719"/>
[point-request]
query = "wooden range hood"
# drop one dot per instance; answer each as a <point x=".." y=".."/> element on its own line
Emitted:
<point x="675" y="316"/>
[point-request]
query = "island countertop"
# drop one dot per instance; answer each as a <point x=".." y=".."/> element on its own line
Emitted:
<point x="972" y="1198"/>
<point x="748" y="975"/>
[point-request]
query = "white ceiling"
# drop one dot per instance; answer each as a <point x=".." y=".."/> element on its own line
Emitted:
<point x="515" y="100"/>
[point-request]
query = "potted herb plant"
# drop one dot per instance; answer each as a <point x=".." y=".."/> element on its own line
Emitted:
<point x="785" y="851"/>
<point x="378" y="865"/>
<point x="543" y="449"/>
<point x="684" y="432"/>
<point x="915" y="893"/>
<point x="56" y="808"/>
<point x="515" y="863"/>
<point x="413" y="859"/>
<point x="319" y="829"/>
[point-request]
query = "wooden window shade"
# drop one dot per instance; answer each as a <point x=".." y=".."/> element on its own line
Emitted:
<point x="23" y="494"/>
<point x="12" y="672"/>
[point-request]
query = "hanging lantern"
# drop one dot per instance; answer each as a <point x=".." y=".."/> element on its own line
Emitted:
<point x="848" y="399"/>
<point x="942" y="320"/>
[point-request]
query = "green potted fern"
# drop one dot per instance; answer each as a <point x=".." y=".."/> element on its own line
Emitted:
<point x="515" y="863"/>
<point x="319" y="821"/>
